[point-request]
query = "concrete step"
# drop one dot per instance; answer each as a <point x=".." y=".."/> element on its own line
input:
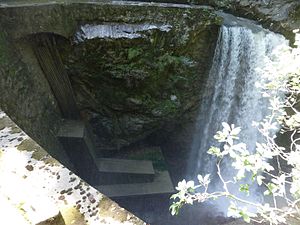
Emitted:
<point x="161" y="184"/>
<point x="75" y="139"/>
<point x="123" y="171"/>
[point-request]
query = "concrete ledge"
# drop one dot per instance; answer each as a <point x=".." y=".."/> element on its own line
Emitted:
<point x="31" y="181"/>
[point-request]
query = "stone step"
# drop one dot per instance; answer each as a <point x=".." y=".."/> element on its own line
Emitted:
<point x="161" y="184"/>
<point x="124" y="171"/>
<point x="75" y="139"/>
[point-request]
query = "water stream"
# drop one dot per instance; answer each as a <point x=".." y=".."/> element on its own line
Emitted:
<point x="231" y="95"/>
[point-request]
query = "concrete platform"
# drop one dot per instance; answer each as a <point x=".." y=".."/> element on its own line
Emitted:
<point x="162" y="184"/>
<point x="123" y="171"/>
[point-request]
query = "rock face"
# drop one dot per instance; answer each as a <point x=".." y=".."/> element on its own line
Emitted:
<point x="131" y="78"/>
<point x="133" y="67"/>
<point x="277" y="15"/>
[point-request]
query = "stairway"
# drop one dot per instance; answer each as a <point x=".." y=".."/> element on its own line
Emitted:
<point x="113" y="177"/>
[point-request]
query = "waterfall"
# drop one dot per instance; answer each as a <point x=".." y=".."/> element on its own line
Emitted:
<point x="231" y="95"/>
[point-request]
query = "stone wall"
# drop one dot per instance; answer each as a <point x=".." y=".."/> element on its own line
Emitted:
<point x="26" y="96"/>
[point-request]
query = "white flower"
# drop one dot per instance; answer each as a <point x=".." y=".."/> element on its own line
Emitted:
<point x="183" y="185"/>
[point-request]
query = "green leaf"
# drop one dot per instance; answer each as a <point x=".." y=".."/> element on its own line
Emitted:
<point x="272" y="187"/>
<point x="246" y="218"/>
<point x="174" y="208"/>
<point x="244" y="188"/>
<point x="214" y="151"/>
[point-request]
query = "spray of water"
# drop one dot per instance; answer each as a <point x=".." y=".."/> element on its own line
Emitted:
<point x="231" y="95"/>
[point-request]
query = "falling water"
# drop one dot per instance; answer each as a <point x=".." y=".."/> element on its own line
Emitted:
<point x="230" y="95"/>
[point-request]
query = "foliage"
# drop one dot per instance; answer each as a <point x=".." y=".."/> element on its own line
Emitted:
<point x="274" y="168"/>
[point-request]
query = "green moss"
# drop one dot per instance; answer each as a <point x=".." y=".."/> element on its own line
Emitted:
<point x="71" y="215"/>
<point x="109" y="209"/>
<point x="295" y="14"/>
<point x="168" y="61"/>
<point x="137" y="72"/>
<point x="56" y="220"/>
<point x="32" y="146"/>
<point x="168" y="107"/>
<point x="27" y="145"/>
<point x="133" y="53"/>
<point x="15" y="130"/>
